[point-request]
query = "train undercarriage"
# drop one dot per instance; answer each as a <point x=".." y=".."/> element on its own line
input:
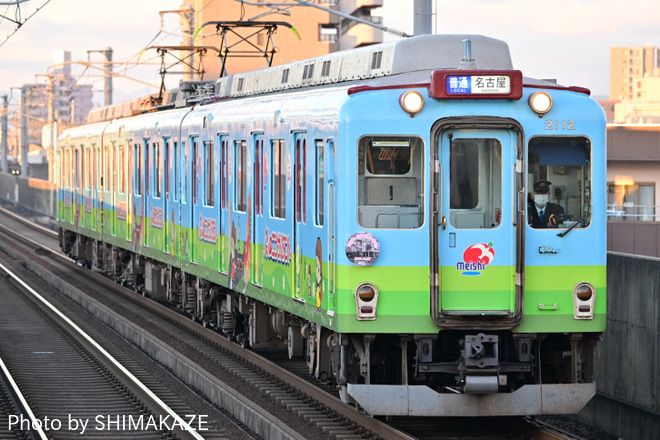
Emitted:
<point x="476" y="372"/>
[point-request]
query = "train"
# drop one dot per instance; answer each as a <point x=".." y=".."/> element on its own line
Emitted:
<point x="376" y="212"/>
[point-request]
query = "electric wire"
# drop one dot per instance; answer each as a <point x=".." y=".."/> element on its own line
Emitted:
<point x="20" y="24"/>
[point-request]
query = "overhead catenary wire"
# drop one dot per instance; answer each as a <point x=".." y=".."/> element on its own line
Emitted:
<point x="20" y="24"/>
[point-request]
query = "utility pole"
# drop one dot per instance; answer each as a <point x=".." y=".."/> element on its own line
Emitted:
<point x="52" y="126"/>
<point x="108" y="75"/>
<point x="25" y="144"/>
<point x="423" y="23"/>
<point x="187" y="19"/>
<point x="5" y="167"/>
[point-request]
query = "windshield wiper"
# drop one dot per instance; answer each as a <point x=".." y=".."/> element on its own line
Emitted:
<point x="579" y="222"/>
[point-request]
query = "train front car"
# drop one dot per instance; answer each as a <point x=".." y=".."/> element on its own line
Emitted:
<point x="471" y="209"/>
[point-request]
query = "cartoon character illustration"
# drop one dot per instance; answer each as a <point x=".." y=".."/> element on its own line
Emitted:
<point x="319" y="273"/>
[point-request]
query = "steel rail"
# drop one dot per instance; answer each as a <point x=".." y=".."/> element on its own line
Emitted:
<point x="180" y="425"/>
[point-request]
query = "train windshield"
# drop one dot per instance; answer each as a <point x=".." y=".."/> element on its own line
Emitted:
<point x="559" y="182"/>
<point x="390" y="179"/>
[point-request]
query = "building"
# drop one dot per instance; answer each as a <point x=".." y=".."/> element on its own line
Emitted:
<point x="628" y="66"/>
<point x="633" y="161"/>
<point x="60" y="98"/>
<point x="635" y="85"/>
<point x="313" y="32"/>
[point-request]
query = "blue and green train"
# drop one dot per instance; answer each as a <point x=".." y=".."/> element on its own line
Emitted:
<point x="418" y="220"/>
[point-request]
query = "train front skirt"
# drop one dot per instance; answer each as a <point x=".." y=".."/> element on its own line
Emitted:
<point x="420" y="400"/>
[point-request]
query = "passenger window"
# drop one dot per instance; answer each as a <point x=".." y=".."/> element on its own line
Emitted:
<point x="278" y="179"/>
<point x="209" y="174"/>
<point x="121" y="168"/>
<point x="158" y="169"/>
<point x="137" y="173"/>
<point x="320" y="182"/>
<point x="390" y="182"/>
<point x="240" y="176"/>
<point x="559" y="182"/>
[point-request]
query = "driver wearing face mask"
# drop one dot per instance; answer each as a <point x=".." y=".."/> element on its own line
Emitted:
<point x="540" y="212"/>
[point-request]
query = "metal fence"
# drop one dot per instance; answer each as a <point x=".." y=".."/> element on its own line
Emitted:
<point x="631" y="212"/>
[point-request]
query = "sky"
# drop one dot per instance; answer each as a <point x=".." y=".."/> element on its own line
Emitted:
<point x="568" y="40"/>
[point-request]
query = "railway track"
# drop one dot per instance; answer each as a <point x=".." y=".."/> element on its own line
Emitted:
<point x="80" y="388"/>
<point x="274" y="401"/>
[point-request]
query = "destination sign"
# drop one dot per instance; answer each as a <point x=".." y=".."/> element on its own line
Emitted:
<point x="476" y="84"/>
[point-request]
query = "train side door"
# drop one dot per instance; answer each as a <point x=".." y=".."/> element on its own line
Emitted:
<point x="240" y="217"/>
<point x="147" y="194"/>
<point x="87" y="216"/>
<point x="331" y="220"/>
<point x="138" y="195"/>
<point x="96" y="188"/>
<point x="193" y="197"/>
<point x="185" y="211"/>
<point x="207" y="214"/>
<point x="224" y="207"/>
<point x="156" y="196"/>
<point x="66" y="185"/>
<point x="300" y="209"/>
<point x="476" y="240"/>
<point x="77" y="152"/>
<point x="257" y="208"/>
<point x="168" y="170"/>
<point x="108" y="216"/>
<point x="123" y="188"/>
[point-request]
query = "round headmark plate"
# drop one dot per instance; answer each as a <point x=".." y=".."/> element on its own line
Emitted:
<point x="362" y="249"/>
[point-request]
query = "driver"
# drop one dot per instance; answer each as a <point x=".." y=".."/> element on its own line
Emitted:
<point x="540" y="212"/>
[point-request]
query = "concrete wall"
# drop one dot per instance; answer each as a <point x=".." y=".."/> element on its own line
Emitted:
<point x="35" y="196"/>
<point x="629" y="356"/>
<point x="637" y="238"/>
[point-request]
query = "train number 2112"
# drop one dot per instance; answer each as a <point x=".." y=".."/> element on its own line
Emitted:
<point x="557" y="125"/>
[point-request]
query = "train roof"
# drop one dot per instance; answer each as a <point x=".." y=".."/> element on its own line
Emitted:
<point x="422" y="53"/>
<point x="404" y="57"/>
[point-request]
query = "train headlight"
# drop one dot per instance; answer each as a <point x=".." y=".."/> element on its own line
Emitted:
<point x="584" y="298"/>
<point x="411" y="102"/>
<point x="540" y="102"/>
<point x="366" y="300"/>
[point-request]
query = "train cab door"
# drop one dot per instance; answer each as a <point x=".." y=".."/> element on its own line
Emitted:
<point x="477" y="239"/>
